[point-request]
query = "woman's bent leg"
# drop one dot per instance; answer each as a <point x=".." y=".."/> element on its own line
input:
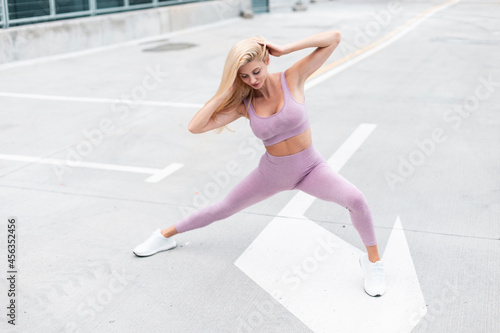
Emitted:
<point x="326" y="184"/>
<point x="253" y="188"/>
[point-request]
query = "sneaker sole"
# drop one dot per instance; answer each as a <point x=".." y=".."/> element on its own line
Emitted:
<point x="378" y="295"/>
<point x="150" y="254"/>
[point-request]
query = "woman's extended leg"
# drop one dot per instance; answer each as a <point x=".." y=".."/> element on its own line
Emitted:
<point x="255" y="187"/>
<point x="261" y="183"/>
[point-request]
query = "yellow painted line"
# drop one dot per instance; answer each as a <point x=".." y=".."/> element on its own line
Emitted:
<point x="380" y="41"/>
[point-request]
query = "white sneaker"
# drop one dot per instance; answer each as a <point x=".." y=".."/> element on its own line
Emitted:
<point x="374" y="276"/>
<point x="154" y="244"/>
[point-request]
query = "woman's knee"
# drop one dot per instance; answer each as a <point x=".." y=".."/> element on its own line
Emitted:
<point x="357" y="202"/>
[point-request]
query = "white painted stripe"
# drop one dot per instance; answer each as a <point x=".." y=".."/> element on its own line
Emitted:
<point x="116" y="45"/>
<point x="157" y="174"/>
<point x="372" y="50"/>
<point x="350" y="146"/>
<point x="99" y="100"/>
<point x="78" y="164"/>
<point x="155" y="178"/>
<point x="299" y="204"/>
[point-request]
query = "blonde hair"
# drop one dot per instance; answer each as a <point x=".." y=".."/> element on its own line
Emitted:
<point x="241" y="53"/>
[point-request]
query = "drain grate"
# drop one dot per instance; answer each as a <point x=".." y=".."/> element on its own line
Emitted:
<point x="169" y="47"/>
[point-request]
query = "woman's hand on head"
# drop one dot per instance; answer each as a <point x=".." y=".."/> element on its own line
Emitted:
<point x="275" y="50"/>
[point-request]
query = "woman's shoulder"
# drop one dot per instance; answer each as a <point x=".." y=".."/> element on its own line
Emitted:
<point x="245" y="101"/>
<point x="242" y="109"/>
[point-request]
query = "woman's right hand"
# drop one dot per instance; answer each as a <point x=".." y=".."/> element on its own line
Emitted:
<point x="276" y="50"/>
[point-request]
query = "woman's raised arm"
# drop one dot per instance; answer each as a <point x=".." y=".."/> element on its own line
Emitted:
<point x="203" y="120"/>
<point x="325" y="42"/>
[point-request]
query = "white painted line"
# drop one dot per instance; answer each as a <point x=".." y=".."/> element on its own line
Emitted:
<point x="350" y="146"/>
<point x="378" y="45"/>
<point x="157" y="174"/>
<point x="113" y="46"/>
<point x="316" y="276"/>
<point x="99" y="100"/>
<point x="78" y="164"/>
<point x="299" y="204"/>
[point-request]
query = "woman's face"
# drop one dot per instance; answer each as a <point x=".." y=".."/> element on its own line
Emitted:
<point x="253" y="73"/>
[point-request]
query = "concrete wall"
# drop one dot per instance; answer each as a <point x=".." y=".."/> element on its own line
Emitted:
<point x="287" y="5"/>
<point x="276" y="6"/>
<point x="283" y="5"/>
<point x="50" y="38"/>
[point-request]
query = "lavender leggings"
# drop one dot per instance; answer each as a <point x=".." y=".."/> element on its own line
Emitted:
<point x="307" y="171"/>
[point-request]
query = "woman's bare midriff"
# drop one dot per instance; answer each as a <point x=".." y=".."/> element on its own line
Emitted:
<point x="291" y="145"/>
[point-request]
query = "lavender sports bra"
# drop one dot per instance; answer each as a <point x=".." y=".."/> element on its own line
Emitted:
<point x="291" y="120"/>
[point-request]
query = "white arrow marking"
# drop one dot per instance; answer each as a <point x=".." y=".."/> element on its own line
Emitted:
<point x="316" y="275"/>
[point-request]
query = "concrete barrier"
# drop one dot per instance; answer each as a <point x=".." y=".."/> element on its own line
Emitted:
<point x="53" y="38"/>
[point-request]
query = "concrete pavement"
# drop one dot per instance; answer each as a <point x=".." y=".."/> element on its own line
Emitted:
<point x="425" y="74"/>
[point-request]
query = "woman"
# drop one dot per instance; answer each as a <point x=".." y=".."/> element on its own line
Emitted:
<point x="275" y="105"/>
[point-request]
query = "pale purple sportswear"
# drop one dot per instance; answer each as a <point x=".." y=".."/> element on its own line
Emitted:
<point x="306" y="170"/>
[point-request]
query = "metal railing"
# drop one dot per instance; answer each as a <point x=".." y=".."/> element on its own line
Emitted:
<point x="20" y="12"/>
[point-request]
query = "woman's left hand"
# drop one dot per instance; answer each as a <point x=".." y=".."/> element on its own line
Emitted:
<point x="275" y="50"/>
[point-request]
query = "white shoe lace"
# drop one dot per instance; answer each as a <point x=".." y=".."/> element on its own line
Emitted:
<point x="377" y="273"/>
